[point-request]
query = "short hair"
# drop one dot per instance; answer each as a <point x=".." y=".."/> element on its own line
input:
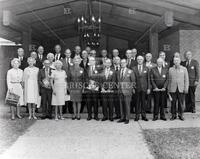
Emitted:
<point x="58" y="62"/>
<point x="31" y="58"/>
<point x="134" y="50"/>
<point x="68" y="50"/>
<point x="117" y="57"/>
<point x="50" y="54"/>
<point x="91" y="58"/>
<point x="20" y="49"/>
<point x="108" y="60"/>
<point x="84" y="51"/>
<point x="161" y="52"/>
<point x="123" y="60"/>
<point x="128" y="51"/>
<point x="77" y="58"/>
<point x="40" y="47"/>
<point x="159" y="59"/>
<point x="148" y="54"/>
<point x="15" y="60"/>
<point x="115" y="50"/>
<point x="140" y="57"/>
<point x="45" y="61"/>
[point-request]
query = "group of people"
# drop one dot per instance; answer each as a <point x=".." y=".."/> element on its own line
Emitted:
<point x="121" y="84"/>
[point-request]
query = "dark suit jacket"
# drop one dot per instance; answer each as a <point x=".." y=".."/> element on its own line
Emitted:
<point x="127" y="83"/>
<point x="62" y="56"/>
<point x="24" y="63"/>
<point x="193" y="71"/>
<point x="108" y="83"/>
<point x="85" y="69"/>
<point x="39" y="63"/>
<point x="159" y="80"/>
<point x="132" y="64"/>
<point x="67" y="67"/>
<point x="41" y="77"/>
<point x="143" y="79"/>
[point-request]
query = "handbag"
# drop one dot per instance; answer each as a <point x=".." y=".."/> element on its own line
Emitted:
<point x="12" y="99"/>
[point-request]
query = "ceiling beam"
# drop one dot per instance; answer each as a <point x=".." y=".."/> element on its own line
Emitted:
<point x="155" y="10"/>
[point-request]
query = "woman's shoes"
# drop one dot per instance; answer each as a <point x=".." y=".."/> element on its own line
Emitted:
<point x="74" y="117"/>
<point x="56" y="118"/>
<point x="29" y="117"/>
<point x="79" y="118"/>
<point x="12" y="118"/>
<point x="34" y="117"/>
<point x="19" y="117"/>
<point x="62" y="118"/>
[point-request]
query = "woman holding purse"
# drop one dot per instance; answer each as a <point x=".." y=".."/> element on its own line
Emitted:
<point x="14" y="83"/>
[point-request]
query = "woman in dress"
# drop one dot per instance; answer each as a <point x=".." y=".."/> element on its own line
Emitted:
<point x="59" y="86"/>
<point x="14" y="83"/>
<point x="76" y="87"/>
<point x="50" y="57"/>
<point x="31" y="92"/>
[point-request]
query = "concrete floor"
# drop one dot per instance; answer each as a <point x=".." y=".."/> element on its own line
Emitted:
<point x="80" y="140"/>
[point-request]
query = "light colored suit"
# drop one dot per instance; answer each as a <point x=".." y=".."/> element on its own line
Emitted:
<point x="178" y="78"/>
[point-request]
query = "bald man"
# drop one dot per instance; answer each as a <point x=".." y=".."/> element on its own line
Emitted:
<point x="142" y="76"/>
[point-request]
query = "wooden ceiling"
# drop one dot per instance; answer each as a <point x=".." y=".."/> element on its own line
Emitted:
<point x="46" y="18"/>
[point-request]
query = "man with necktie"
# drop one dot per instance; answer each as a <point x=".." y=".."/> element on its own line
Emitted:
<point x="177" y="87"/>
<point x="40" y="57"/>
<point x="159" y="80"/>
<point x="23" y="60"/>
<point x="130" y="61"/>
<point x="108" y="79"/>
<point x="116" y="66"/>
<point x="142" y="78"/>
<point x="192" y="66"/>
<point x="126" y="84"/>
<point x="45" y="89"/>
<point x="58" y="55"/>
<point x="67" y="64"/>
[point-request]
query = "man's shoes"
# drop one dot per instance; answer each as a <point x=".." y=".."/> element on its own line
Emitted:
<point x="126" y="122"/>
<point x="173" y="118"/>
<point x="121" y="120"/>
<point x="111" y="119"/>
<point x="181" y="117"/>
<point x="117" y="117"/>
<point x="145" y="119"/>
<point x="96" y="118"/>
<point x="136" y="119"/>
<point x="104" y="119"/>
<point x="163" y="118"/>
<point x="89" y="118"/>
<point x="155" y="118"/>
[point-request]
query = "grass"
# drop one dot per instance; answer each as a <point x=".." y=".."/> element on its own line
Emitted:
<point x="176" y="143"/>
<point x="10" y="130"/>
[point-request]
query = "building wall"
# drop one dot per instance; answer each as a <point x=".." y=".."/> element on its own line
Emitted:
<point x="169" y="44"/>
<point x="190" y="40"/>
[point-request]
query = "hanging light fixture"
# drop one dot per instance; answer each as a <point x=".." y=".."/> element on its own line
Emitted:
<point x="89" y="26"/>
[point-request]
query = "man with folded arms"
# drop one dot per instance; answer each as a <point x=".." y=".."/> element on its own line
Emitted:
<point x="159" y="80"/>
<point x="177" y="87"/>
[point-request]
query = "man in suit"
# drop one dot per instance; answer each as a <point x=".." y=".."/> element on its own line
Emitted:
<point x="192" y="66"/>
<point x="45" y="89"/>
<point x="88" y="49"/>
<point x="177" y="87"/>
<point x="116" y="66"/>
<point x="126" y="81"/>
<point x="115" y="53"/>
<point x="92" y="89"/>
<point x="58" y="55"/>
<point x="130" y="61"/>
<point x="67" y="64"/>
<point x="23" y="60"/>
<point x="150" y="65"/>
<point x="159" y="80"/>
<point x="77" y="52"/>
<point x="104" y="56"/>
<point x="108" y="79"/>
<point x="40" y="57"/>
<point x="84" y="65"/>
<point x="134" y="53"/>
<point x="142" y="77"/>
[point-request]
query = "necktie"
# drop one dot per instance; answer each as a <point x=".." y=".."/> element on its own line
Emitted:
<point x="140" y="69"/>
<point x="47" y="73"/>
<point x="122" y="73"/>
<point x="159" y="69"/>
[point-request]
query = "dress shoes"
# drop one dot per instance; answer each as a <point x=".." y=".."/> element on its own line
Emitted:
<point x="163" y="118"/>
<point x="89" y="118"/>
<point x="111" y="119"/>
<point x="181" y="117"/>
<point x="126" y="122"/>
<point x="145" y="119"/>
<point x="104" y="119"/>
<point x="96" y="118"/>
<point x="115" y="118"/>
<point x="155" y="118"/>
<point x="136" y="119"/>
<point x="121" y="120"/>
<point x="173" y="118"/>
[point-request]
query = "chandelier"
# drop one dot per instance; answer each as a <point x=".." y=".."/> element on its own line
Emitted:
<point x="89" y="26"/>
